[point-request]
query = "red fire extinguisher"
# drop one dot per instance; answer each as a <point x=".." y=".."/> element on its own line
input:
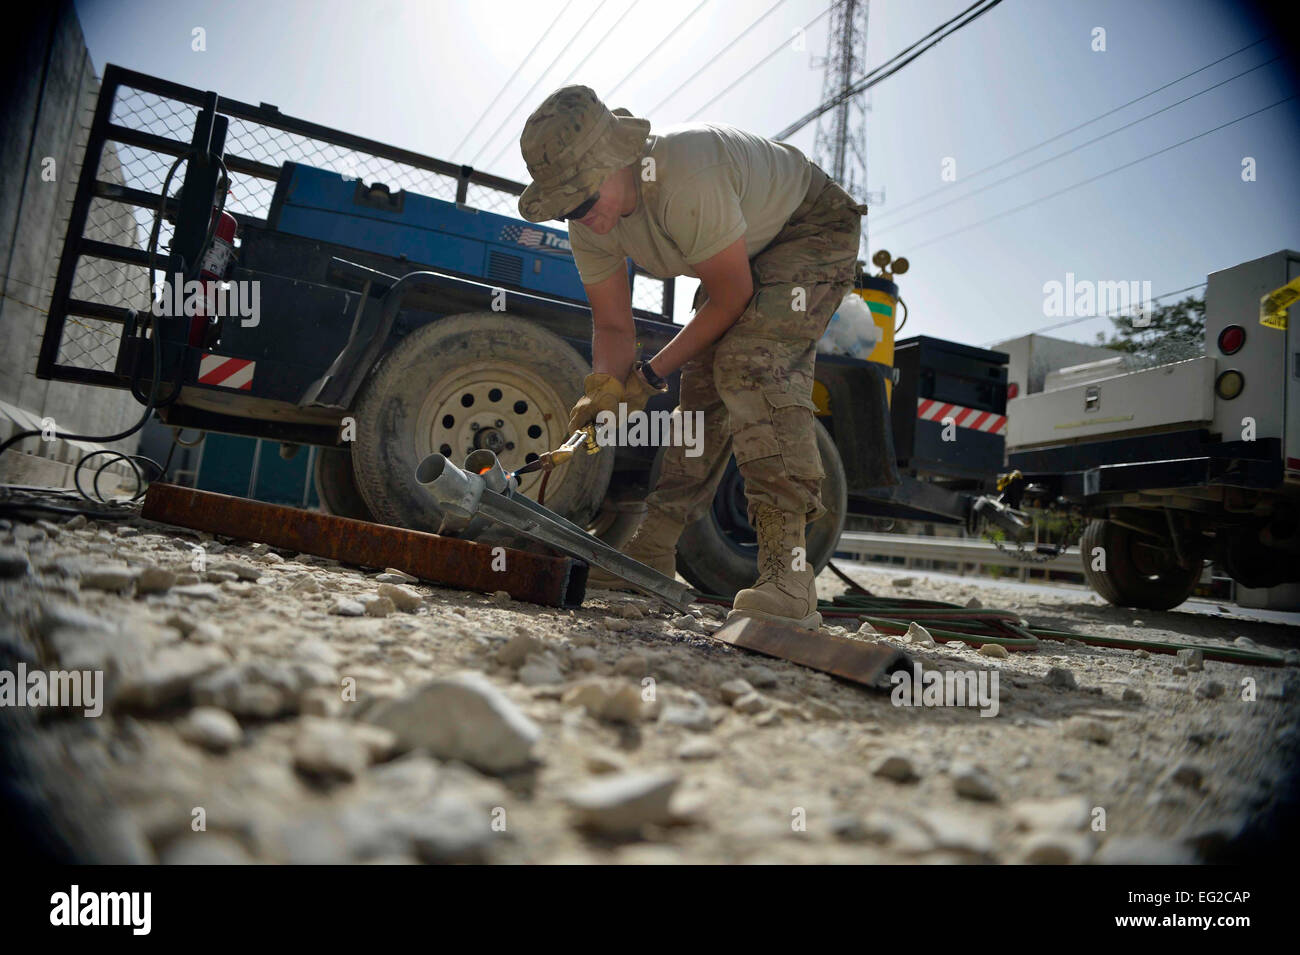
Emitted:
<point x="215" y="266"/>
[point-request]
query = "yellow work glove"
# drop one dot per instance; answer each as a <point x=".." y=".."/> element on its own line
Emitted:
<point x="602" y="393"/>
<point x="637" y="391"/>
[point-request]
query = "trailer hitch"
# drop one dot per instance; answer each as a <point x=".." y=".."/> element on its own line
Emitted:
<point x="482" y="491"/>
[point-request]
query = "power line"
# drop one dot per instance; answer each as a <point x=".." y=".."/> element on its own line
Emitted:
<point x="671" y="33"/>
<point x="1074" y="149"/>
<point x="892" y="65"/>
<point x="525" y="98"/>
<point x="1090" y="318"/>
<point x="714" y="58"/>
<point x="784" y="44"/>
<point x="574" y="72"/>
<point x="483" y="115"/>
<point x="1075" y="129"/>
<point x="1084" y="182"/>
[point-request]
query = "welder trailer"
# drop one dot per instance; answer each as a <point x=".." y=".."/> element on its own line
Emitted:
<point x="402" y="308"/>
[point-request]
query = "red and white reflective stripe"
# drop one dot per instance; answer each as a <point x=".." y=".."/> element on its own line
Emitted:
<point x="927" y="409"/>
<point x="227" y="372"/>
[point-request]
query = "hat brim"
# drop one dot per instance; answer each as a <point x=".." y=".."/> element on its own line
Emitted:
<point x="621" y="146"/>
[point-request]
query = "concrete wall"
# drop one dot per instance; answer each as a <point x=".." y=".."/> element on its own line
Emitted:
<point x="49" y="87"/>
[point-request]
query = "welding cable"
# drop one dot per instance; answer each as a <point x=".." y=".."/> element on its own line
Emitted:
<point x="151" y="402"/>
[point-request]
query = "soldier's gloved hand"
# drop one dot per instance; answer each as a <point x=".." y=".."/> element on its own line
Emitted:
<point x="602" y="393"/>
<point x="637" y="389"/>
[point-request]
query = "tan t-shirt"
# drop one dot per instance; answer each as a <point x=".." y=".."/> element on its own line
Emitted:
<point x="711" y="185"/>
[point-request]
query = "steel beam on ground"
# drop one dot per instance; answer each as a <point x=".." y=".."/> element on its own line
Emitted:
<point x="955" y="550"/>
<point x="861" y="661"/>
<point x="446" y="561"/>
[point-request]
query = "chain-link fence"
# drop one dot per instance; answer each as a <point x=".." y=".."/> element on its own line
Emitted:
<point x="142" y="124"/>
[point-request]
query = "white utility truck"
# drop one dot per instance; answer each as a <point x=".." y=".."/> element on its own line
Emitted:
<point x="1180" y="463"/>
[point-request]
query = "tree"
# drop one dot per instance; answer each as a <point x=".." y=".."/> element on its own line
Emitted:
<point x="1164" y="334"/>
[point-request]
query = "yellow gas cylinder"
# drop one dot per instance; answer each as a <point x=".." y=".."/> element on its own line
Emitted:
<point x="881" y="296"/>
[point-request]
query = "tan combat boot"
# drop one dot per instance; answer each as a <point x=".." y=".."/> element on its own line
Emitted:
<point x="781" y="593"/>
<point x="654" y="544"/>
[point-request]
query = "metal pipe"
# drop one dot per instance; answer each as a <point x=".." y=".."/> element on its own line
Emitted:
<point x="464" y="495"/>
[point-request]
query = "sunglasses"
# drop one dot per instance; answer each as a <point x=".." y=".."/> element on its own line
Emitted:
<point x="583" y="209"/>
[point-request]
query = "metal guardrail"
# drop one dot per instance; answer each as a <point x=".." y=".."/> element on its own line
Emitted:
<point x="956" y="550"/>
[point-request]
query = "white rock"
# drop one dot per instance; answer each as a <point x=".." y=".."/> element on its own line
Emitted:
<point x="919" y="635"/>
<point x="960" y="832"/>
<point x="154" y="580"/>
<point x="197" y="591"/>
<point x="336" y="749"/>
<point x="616" y="701"/>
<point x="540" y="671"/>
<point x="699" y="748"/>
<point x="403" y="598"/>
<point x="211" y="728"/>
<point x="167" y="674"/>
<point x="461" y="717"/>
<point x="112" y="579"/>
<point x="624" y="803"/>
<point x="687" y="621"/>
<point x="518" y="648"/>
<point x="733" y="690"/>
<point x="690" y="711"/>
<point x="1068" y="813"/>
<point x="345" y="607"/>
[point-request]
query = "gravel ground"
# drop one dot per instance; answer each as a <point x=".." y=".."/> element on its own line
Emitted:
<point x="274" y="707"/>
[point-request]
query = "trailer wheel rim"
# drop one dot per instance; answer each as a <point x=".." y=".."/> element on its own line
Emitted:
<point x="500" y="406"/>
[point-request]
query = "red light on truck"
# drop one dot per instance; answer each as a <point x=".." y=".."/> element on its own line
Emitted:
<point x="1013" y="390"/>
<point x="1231" y="339"/>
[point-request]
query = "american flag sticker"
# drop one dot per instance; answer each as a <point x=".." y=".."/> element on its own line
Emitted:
<point x="227" y="372"/>
<point x="930" y="410"/>
<point x="523" y="235"/>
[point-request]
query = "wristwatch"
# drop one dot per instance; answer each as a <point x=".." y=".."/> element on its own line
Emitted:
<point x="657" y="382"/>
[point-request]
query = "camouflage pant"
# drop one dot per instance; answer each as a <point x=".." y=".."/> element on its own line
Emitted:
<point x="755" y="383"/>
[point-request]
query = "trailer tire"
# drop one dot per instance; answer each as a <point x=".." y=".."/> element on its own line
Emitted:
<point x="718" y="554"/>
<point x="481" y="379"/>
<point x="336" y="485"/>
<point x="1124" y="582"/>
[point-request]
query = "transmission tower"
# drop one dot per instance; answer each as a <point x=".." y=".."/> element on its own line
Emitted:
<point x="840" y="143"/>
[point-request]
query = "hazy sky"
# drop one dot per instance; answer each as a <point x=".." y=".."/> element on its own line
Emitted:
<point x="420" y="73"/>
